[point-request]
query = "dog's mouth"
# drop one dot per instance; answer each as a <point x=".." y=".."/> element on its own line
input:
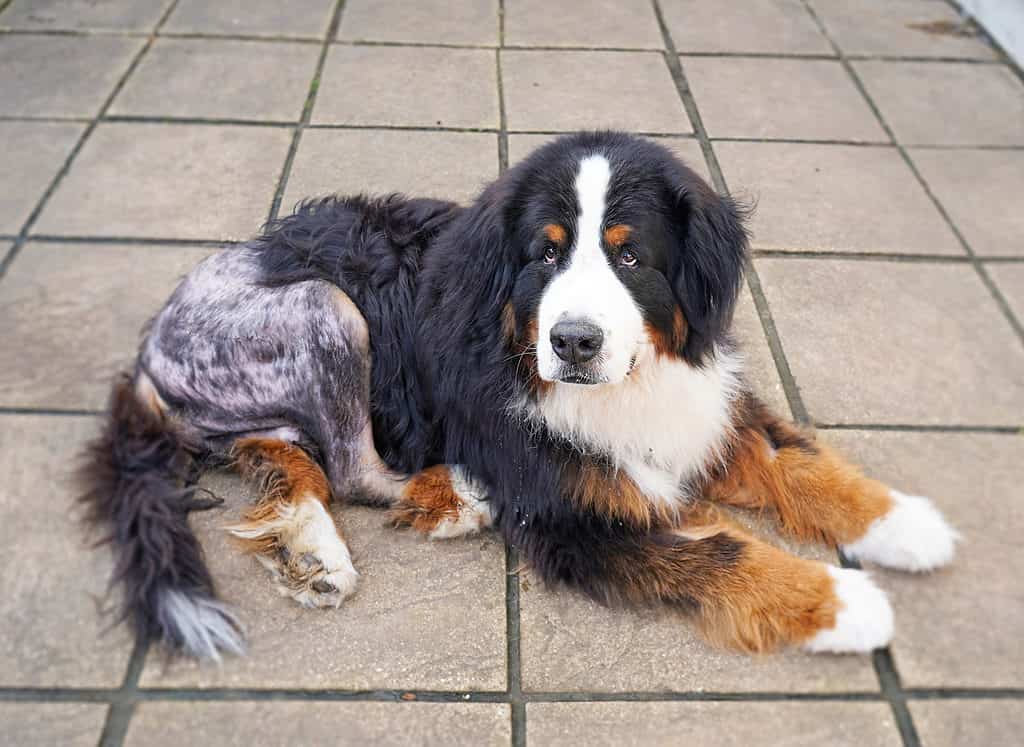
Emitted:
<point x="586" y="375"/>
<point x="576" y="374"/>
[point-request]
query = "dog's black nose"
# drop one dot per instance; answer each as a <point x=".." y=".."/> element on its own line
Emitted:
<point x="576" y="341"/>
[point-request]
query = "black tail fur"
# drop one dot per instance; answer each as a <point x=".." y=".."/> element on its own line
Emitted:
<point x="135" y="489"/>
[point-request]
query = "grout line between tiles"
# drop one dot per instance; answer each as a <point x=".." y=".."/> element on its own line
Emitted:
<point x="123" y="701"/>
<point x="789" y="386"/>
<point x="307" y="111"/>
<point x="135" y="694"/>
<point x="513" y="638"/>
<point x="122" y="708"/>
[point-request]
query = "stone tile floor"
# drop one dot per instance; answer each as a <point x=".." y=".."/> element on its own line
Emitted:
<point x="885" y="307"/>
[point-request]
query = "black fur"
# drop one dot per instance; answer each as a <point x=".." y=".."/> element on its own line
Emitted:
<point x="373" y="250"/>
<point x="479" y="265"/>
<point x="136" y="491"/>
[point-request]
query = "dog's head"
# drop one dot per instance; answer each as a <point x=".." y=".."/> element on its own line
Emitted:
<point x="623" y="255"/>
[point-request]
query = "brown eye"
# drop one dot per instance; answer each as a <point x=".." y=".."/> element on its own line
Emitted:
<point x="627" y="258"/>
<point x="550" y="255"/>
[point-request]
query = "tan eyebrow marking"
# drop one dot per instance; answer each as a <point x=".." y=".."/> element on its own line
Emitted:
<point x="616" y="236"/>
<point x="555" y="233"/>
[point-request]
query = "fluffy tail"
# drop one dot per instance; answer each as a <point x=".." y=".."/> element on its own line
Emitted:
<point x="135" y="489"/>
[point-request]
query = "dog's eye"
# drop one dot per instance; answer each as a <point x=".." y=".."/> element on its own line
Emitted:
<point x="627" y="258"/>
<point x="550" y="255"/>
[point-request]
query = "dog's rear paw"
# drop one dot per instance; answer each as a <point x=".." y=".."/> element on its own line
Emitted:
<point x="309" y="581"/>
<point x="913" y="536"/>
<point x="306" y="557"/>
<point x="864" y="619"/>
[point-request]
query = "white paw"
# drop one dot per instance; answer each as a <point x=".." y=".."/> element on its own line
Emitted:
<point x="313" y="565"/>
<point x="913" y="536"/>
<point x="474" y="513"/>
<point x="864" y="621"/>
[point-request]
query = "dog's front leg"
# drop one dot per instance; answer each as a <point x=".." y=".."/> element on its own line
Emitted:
<point x="442" y="502"/>
<point x="818" y="495"/>
<point x="744" y="593"/>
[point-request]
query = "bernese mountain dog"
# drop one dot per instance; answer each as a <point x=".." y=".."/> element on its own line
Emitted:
<point x="552" y="361"/>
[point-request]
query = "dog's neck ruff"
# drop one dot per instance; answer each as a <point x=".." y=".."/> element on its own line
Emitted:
<point x="665" y="425"/>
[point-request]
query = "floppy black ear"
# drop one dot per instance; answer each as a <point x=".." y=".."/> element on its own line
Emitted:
<point x="709" y="268"/>
<point x="464" y="289"/>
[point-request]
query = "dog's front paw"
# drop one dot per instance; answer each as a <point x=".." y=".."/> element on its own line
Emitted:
<point x="912" y="536"/>
<point x="863" y="620"/>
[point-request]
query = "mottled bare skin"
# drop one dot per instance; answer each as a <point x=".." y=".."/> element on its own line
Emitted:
<point x="232" y="358"/>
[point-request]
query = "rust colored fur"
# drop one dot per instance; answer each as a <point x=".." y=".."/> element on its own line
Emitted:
<point x="616" y="236"/>
<point x="600" y="489"/>
<point x="428" y="499"/>
<point x="768" y="600"/>
<point x="669" y="344"/>
<point x="745" y="594"/>
<point x="816" y="495"/>
<point x="555" y="233"/>
<point x="285" y="474"/>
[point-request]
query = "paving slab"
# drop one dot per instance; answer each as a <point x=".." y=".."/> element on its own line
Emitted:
<point x="1010" y="279"/>
<point x="953" y="723"/>
<point x="220" y="79"/>
<point x="960" y="626"/>
<point x="790" y="724"/>
<point x="780" y="99"/>
<point x="949" y="103"/>
<point x="46" y="724"/>
<point x="83" y="15"/>
<point x="305" y="723"/>
<point x="909" y="28"/>
<point x="981" y="190"/>
<point x="760" y="370"/>
<point x="834" y="198"/>
<point x="858" y="333"/>
<point x="751" y="27"/>
<point x="427" y="615"/>
<point x="374" y="85"/>
<point x="296" y="18"/>
<point x="61" y="76"/>
<point x="570" y="643"/>
<point x="162" y="181"/>
<point x="604" y="23"/>
<point x="424" y="22"/>
<point x="572" y="90"/>
<point x="446" y="165"/>
<point x="74" y="315"/>
<point x="31" y="154"/>
<point x="52" y="630"/>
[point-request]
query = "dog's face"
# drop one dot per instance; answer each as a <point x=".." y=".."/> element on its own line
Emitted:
<point x="627" y="256"/>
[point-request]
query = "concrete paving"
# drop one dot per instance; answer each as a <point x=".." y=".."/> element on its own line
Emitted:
<point x="884" y="144"/>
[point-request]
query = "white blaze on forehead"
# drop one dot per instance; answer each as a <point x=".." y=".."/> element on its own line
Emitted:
<point x="591" y="189"/>
<point x="588" y="288"/>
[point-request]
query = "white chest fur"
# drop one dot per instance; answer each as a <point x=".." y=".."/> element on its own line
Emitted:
<point x="663" y="425"/>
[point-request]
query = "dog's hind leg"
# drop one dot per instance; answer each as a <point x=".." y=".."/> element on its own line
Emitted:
<point x="289" y="529"/>
<point x="817" y="495"/>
